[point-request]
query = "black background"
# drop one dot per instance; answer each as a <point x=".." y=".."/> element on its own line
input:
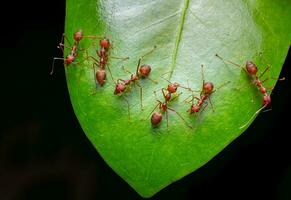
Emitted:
<point x="44" y="154"/>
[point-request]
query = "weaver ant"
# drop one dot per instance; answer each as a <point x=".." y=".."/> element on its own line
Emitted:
<point x="251" y="69"/>
<point x="142" y="71"/>
<point x="157" y="117"/>
<point x="77" y="36"/>
<point x="206" y="91"/>
<point x="103" y="54"/>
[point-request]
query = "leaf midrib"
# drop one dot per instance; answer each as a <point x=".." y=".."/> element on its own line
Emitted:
<point x="178" y="37"/>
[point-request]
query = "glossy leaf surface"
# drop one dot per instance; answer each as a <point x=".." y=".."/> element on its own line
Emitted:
<point x="187" y="34"/>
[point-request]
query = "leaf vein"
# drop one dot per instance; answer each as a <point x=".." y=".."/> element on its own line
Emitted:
<point x="178" y="38"/>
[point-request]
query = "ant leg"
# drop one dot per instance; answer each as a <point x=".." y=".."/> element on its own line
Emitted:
<point x="64" y="37"/>
<point x="137" y="67"/>
<point x="192" y="100"/>
<point x="92" y="36"/>
<point x="185" y="100"/>
<point x="152" y="80"/>
<point x="120" y="58"/>
<point x="155" y="91"/>
<point x="265" y="80"/>
<point x="62" y="41"/>
<point x="94" y="59"/>
<point x="162" y="75"/>
<point x="61" y="47"/>
<point x="206" y="104"/>
<point x="180" y="117"/>
<point x="167" y="119"/>
<point x="53" y="65"/>
<point x="126" y="70"/>
<point x="110" y="73"/>
<point x="155" y="108"/>
<point x="263" y="58"/>
<point x="270" y="88"/>
<point x="128" y="106"/>
<point x="176" y="97"/>
<point x="211" y="103"/>
<point x="164" y="95"/>
<point x="165" y="78"/>
<point x="265" y="70"/>
<point x="94" y="70"/>
<point x="222" y="85"/>
<point x="98" y="54"/>
<point x="140" y="87"/>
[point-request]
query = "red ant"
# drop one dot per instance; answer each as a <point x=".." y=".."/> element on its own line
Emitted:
<point x="251" y="69"/>
<point x="142" y="71"/>
<point x="78" y="36"/>
<point x="103" y="54"/>
<point x="206" y="91"/>
<point x="157" y="117"/>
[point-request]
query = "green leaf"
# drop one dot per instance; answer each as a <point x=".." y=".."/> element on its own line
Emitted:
<point x="187" y="34"/>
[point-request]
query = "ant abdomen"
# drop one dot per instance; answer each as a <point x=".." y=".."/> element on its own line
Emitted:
<point x="101" y="76"/>
<point x="156" y="119"/>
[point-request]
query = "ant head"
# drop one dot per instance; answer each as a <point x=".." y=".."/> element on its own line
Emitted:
<point x="194" y="109"/>
<point x="119" y="88"/>
<point x="105" y="43"/>
<point x="251" y="68"/>
<point x="156" y="118"/>
<point x="101" y="76"/>
<point x="78" y="36"/>
<point x="208" y="87"/>
<point x="69" y="59"/>
<point x="172" y="88"/>
<point x="266" y="100"/>
<point x="144" y="70"/>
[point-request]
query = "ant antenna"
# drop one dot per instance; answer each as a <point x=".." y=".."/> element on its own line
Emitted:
<point x="222" y="85"/>
<point x="202" y="75"/>
<point x="252" y="117"/>
<point x="151" y="51"/>
<point x="229" y="61"/>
